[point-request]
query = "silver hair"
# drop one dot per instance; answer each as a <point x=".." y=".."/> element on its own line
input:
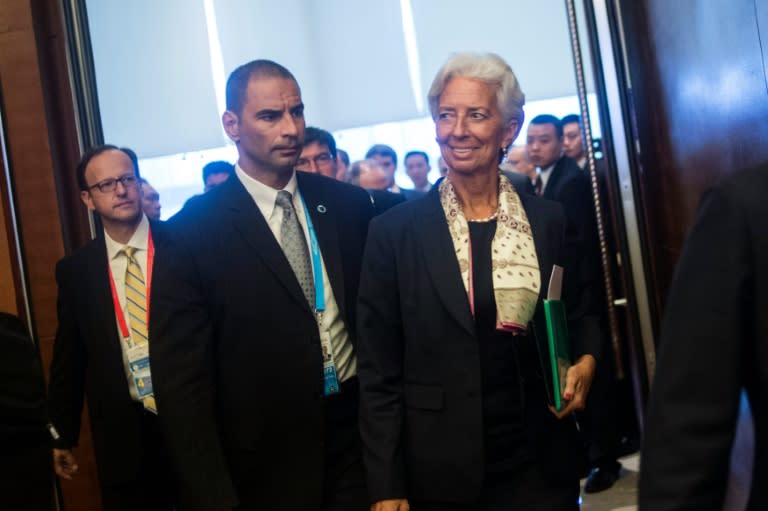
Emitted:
<point x="488" y="68"/>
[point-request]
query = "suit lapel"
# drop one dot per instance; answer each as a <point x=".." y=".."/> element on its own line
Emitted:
<point x="554" y="178"/>
<point x="325" y="220"/>
<point x="102" y="312"/>
<point x="441" y="263"/>
<point x="251" y="224"/>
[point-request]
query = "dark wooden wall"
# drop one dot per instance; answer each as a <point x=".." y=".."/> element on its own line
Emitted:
<point x="700" y="100"/>
<point x="41" y="149"/>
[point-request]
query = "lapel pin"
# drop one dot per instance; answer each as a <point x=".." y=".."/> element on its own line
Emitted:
<point x="321" y="209"/>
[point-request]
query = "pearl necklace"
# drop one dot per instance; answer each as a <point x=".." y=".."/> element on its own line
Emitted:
<point x="486" y="219"/>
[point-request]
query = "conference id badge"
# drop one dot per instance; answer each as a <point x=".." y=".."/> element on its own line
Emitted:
<point x="138" y="361"/>
<point x="330" y="377"/>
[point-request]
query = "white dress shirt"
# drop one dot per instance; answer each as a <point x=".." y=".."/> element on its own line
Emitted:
<point x="544" y="175"/>
<point x="332" y="322"/>
<point x="118" y="263"/>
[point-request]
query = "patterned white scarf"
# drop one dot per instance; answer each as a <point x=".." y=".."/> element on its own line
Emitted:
<point x="515" y="267"/>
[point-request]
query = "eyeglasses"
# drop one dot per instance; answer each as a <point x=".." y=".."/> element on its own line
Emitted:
<point x="320" y="160"/>
<point x="109" y="185"/>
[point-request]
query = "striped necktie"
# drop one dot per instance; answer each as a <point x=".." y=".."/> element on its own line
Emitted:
<point x="136" y="303"/>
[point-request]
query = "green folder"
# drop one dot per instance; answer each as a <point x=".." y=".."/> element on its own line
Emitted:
<point x="557" y="336"/>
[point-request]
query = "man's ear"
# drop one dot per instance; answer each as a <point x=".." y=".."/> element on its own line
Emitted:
<point x="85" y="196"/>
<point x="231" y="125"/>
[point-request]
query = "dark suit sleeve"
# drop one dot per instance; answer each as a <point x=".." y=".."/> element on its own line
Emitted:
<point x="694" y="401"/>
<point x="583" y="286"/>
<point x="181" y="357"/>
<point x="380" y="361"/>
<point x="67" y="384"/>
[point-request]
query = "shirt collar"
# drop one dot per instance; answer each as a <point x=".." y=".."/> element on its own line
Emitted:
<point x="139" y="240"/>
<point x="264" y="196"/>
<point x="545" y="172"/>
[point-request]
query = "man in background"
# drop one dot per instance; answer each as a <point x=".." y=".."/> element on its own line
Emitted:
<point x="342" y="164"/>
<point x="319" y="155"/>
<point x="517" y="161"/>
<point x="442" y="167"/>
<point x="215" y="173"/>
<point x="386" y="157"/>
<point x="150" y="200"/>
<point x="101" y="349"/>
<point x="417" y="167"/>
<point x="561" y="180"/>
<point x="573" y="142"/>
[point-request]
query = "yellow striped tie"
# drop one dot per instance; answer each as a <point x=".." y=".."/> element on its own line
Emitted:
<point x="136" y="303"/>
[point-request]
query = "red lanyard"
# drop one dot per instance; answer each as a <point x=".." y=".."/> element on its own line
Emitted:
<point x="116" y="301"/>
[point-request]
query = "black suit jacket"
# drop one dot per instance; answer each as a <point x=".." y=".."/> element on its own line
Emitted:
<point x="570" y="186"/>
<point x="26" y="474"/>
<point x="419" y="362"/>
<point x="714" y="343"/>
<point x="410" y="194"/>
<point x="382" y="200"/>
<point x="87" y="361"/>
<point x="236" y="356"/>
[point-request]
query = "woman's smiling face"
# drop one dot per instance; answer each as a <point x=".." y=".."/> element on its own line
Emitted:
<point x="470" y="128"/>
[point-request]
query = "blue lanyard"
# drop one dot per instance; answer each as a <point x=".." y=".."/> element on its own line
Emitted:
<point x="317" y="261"/>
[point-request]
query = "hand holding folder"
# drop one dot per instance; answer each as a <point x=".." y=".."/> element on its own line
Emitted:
<point x="567" y="395"/>
<point x="557" y="336"/>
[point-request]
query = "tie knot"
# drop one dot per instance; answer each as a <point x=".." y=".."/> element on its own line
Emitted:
<point x="284" y="200"/>
<point x="129" y="252"/>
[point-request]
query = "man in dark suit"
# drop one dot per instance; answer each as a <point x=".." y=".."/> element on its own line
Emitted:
<point x="26" y="475"/>
<point x="713" y="346"/>
<point x="573" y="142"/>
<point x="101" y="346"/>
<point x="417" y="167"/>
<point x="387" y="158"/>
<point x="255" y="363"/>
<point x="320" y="156"/>
<point x="560" y="179"/>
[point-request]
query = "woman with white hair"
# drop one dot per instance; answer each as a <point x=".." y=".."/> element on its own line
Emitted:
<point x="452" y="348"/>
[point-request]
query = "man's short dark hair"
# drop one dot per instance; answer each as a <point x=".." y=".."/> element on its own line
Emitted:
<point x="382" y="150"/>
<point x="217" y="167"/>
<point x="570" y="118"/>
<point x="416" y="153"/>
<point x="237" y="83"/>
<point x="549" y="119"/>
<point x="314" y="135"/>
<point x="93" y="152"/>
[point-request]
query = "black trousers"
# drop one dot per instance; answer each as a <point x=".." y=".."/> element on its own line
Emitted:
<point x="599" y="421"/>
<point x="524" y="489"/>
<point x="344" y="487"/>
<point x="153" y="490"/>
